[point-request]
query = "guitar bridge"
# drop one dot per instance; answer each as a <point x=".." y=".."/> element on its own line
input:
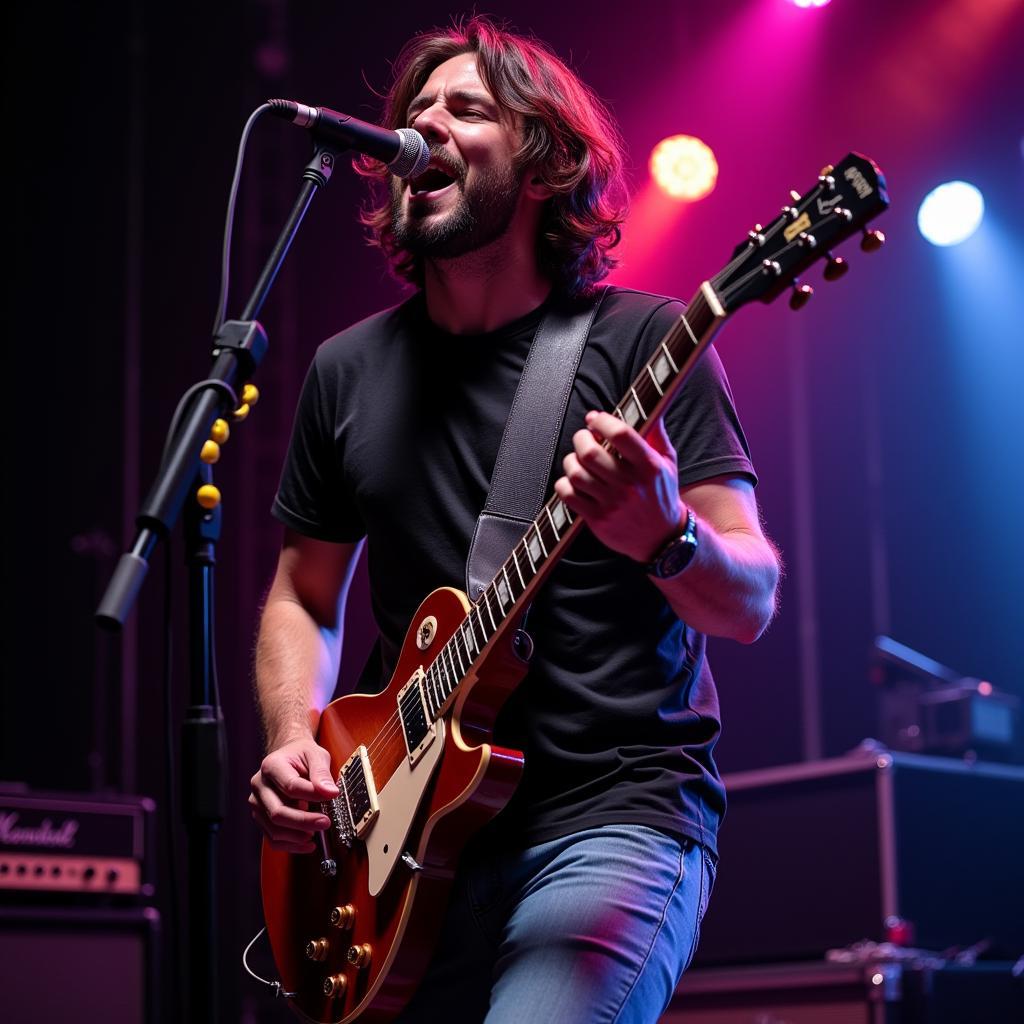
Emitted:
<point x="354" y="809"/>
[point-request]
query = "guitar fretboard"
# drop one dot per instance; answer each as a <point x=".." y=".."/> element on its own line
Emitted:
<point x="506" y="596"/>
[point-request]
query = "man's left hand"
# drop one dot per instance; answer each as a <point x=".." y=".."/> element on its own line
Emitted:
<point x="629" y="494"/>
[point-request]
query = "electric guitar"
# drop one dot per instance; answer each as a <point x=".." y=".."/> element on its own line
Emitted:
<point x="352" y="928"/>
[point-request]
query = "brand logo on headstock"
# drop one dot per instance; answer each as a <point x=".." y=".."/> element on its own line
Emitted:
<point x="825" y="205"/>
<point x="858" y="181"/>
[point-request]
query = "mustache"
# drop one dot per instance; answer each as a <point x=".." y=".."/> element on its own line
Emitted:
<point x="450" y="164"/>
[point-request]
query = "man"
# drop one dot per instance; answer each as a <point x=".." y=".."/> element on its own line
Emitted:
<point x="582" y="901"/>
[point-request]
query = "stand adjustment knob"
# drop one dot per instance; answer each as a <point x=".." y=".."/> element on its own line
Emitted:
<point x="208" y="496"/>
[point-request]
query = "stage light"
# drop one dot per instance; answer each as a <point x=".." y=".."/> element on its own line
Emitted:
<point x="808" y="3"/>
<point x="950" y="213"/>
<point x="684" y="167"/>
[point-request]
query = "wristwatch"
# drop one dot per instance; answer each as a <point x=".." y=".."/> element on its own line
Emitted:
<point x="677" y="554"/>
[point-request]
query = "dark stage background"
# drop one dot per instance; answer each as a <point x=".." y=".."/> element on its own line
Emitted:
<point x="885" y="419"/>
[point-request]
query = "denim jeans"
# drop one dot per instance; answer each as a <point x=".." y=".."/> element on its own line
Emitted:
<point x="594" y="928"/>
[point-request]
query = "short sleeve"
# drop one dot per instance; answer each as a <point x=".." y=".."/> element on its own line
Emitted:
<point x="702" y="421"/>
<point x="313" y="498"/>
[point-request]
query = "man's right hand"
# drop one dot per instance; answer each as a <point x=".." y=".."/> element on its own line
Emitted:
<point x="290" y="778"/>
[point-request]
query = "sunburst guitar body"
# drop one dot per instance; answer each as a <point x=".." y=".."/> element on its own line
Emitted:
<point x="352" y="926"/>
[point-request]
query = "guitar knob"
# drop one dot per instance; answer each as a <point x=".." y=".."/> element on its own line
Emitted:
<point x="316" y="949"/>
<point x="872" y="241"/>
<point x="359" y="956"/>
<point x="835" y="267"/>
<point x="801" y="296"/>
<point x="334" y="986"/>
<point x="343" y="917"/>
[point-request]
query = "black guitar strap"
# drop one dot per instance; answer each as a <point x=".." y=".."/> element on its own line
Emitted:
<point x="527" y="451"/>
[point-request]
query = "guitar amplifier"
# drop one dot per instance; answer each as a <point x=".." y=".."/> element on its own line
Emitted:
<point x="867" y="993"/>
<point x="76" y="844"/>
<point x="926" y="851"/>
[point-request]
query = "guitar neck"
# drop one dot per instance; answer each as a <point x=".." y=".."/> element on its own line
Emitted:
<point x="503" y="601"/>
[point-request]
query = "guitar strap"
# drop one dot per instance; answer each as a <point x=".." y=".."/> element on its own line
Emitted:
<point x="527" y="451"/>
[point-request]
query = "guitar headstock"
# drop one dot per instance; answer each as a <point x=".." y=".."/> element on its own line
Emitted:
<point x="845" y="198"/>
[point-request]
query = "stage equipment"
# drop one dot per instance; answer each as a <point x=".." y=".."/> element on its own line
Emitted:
<point x="927" y="708"/>
<point x="684" y="167"/>
<point x="950" y="213"/>
<point x="403" y="151"/>
<point x="926" y="992"/>
<point x="923" y="851"/>
<point x="72" y="843"/>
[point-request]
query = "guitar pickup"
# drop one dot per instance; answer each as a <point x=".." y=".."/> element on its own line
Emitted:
<point x="417" y="727"/>
<point x="357" y="785"/>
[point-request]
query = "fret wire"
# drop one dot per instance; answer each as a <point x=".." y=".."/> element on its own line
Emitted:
<point x="639" y="405"/>
<point x="480" y="619"/>
<point x="533" y="565"/>
<point x="618" y="412"/>
<point x="536" y="530"/>
<point x="668" y="355"/>
<point x="490" y="615"/>
<point x="435" y="695"/>
<point x="554" y="529"/>
<point x="443" y="669"/>
<point x="508" y="584"/>
<point x="518" y="570"/>
<point x="654" y="379"/>
<point x="689" y="331"/>
<point x="497" y="593"/>
<point x="455" y="675"/>
<point x="462" y="666"/>
<point x="471" y="645"/>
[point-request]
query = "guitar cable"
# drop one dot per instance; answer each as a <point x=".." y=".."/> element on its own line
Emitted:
<point x="275" y="985"/>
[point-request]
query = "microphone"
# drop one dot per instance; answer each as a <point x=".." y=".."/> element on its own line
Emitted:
<point x="403" y="151"/>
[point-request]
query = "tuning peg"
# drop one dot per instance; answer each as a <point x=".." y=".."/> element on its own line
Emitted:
<point x="826" y="170"/>
<point x="801" y="295"/>
<point x="872" y="240"/>
<point x="835" y="267"/>
<point x="794" y="195"/>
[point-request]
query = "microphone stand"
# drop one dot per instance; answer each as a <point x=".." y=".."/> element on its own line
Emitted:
<point x="239" y="347"/>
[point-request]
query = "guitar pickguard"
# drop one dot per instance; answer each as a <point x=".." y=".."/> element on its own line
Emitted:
<point x="398" y="803"/>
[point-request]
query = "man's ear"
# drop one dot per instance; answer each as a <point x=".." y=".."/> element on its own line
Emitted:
<point x="535" y="187"/>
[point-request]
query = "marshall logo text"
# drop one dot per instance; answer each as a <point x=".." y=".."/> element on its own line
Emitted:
<point x="43" y="834"/>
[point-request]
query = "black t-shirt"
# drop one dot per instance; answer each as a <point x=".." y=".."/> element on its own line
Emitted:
<point x="395" y="439"/>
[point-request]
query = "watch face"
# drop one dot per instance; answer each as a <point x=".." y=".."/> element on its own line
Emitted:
<point x="677" y="557"/>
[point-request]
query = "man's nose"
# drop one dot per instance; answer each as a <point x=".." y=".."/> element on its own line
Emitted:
<point x="432" y="124"/>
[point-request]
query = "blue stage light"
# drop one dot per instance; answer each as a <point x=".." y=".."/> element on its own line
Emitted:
<point x="950" y="213"/>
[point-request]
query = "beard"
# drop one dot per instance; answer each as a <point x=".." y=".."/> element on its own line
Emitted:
<point x="482" y="214"/>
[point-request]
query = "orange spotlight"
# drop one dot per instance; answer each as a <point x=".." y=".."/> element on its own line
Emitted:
<point x="684" y="167"/>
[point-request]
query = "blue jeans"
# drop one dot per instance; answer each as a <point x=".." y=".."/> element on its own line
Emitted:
<point x="594" y="928"/>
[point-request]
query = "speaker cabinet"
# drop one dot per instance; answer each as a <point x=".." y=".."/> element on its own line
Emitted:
<point x="821" y="855"/>
<point x="79" y="964"/>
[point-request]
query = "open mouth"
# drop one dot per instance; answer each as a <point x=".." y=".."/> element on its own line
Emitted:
<point x="431" y="182"/>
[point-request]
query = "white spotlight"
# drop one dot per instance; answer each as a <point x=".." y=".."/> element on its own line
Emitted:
<point x="951" y="213"/>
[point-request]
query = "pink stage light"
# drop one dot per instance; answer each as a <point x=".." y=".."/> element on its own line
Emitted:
<point x="684" y="167"/>
<point x="808" y="3"/>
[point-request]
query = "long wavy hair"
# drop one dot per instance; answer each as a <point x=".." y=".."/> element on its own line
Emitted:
<point x="569" y="141"/>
